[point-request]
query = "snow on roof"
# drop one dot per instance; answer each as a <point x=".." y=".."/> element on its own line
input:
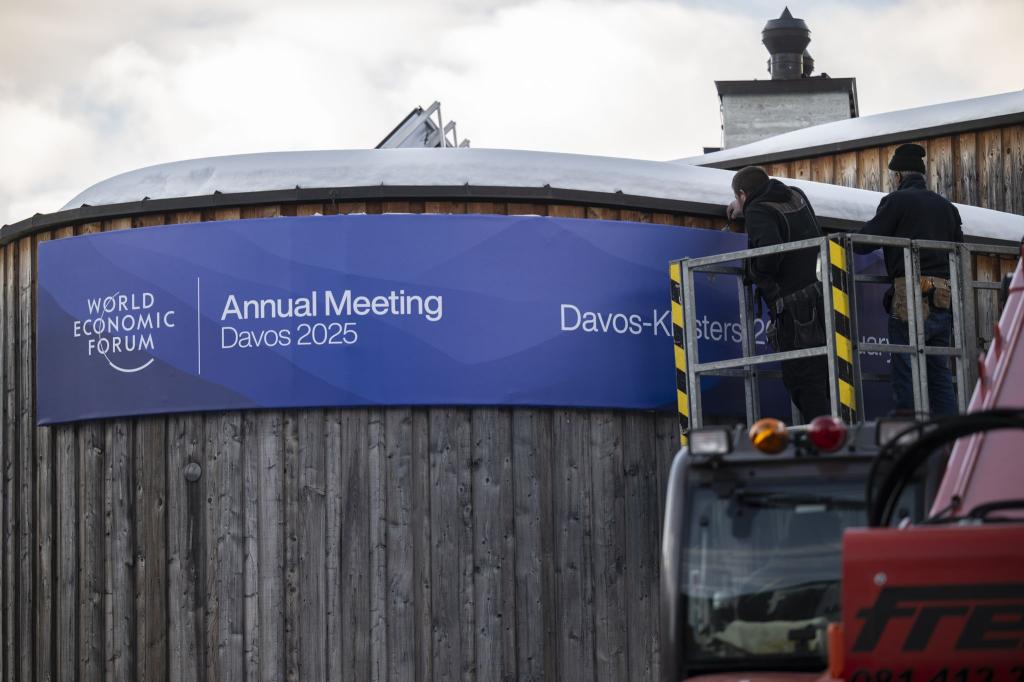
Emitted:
<point x="483" y="168"/>
<point x="894" y="126"/>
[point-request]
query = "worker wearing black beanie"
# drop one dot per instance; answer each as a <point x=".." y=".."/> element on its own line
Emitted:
<point x="914" y="212"/>
<point x="908" y="157"/>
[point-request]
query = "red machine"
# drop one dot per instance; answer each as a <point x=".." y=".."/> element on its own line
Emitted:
<point x="943" y="601"/>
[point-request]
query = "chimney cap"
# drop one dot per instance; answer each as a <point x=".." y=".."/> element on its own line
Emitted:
<point x="786" y="39"/>
<point x="786" y="20"/>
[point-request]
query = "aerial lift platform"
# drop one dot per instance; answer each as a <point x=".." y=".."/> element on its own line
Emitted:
<point x="755" y="514"/>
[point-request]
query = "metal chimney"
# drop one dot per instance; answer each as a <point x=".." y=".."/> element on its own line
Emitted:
<point x="786" y="39"/>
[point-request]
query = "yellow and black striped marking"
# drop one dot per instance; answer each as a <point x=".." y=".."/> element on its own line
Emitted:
<point x="682" y="399"/>
<point x="843" y="343"/>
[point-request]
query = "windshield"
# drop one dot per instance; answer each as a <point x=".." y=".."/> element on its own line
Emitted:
<point x="761" y="575"/>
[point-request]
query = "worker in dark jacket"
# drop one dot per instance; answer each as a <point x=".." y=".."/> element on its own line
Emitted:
<point x="914" y="212"/>
<point x="777" y="214"/>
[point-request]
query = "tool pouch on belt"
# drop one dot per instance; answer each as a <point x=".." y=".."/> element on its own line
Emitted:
<point x="798" y="320"/>
<point x="934" y="294"/>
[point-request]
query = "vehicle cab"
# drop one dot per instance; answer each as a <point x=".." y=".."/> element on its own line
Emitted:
<point x="751" y="550"/>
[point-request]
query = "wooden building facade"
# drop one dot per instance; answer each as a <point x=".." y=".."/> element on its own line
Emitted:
<point x="346" y="544"/>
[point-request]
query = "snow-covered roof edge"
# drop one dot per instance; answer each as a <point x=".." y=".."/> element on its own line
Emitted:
<point x="878" y="129"/>
<point x="477" y="172"/>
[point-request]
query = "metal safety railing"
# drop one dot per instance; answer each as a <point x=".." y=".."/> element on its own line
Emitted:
<point x="843" y="347"/>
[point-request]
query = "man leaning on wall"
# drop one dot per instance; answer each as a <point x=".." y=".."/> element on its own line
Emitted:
<point x="915" y="212"/>
<point x="787" y="282"/>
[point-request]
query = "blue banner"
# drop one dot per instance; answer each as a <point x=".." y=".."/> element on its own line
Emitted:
<point x="371" y="310"/>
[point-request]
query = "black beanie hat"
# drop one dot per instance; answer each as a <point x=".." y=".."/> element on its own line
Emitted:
<point x="908" y="157"/>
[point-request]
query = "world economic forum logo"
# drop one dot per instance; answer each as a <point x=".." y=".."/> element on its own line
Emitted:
<point x="124" y="329"/>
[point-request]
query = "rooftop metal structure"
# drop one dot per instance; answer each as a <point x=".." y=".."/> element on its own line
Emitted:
<point x="419" y="129"/>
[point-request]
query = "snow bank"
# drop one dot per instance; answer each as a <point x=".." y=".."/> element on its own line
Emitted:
<point x="481" y="168"/>
<point x="907" y="124"/>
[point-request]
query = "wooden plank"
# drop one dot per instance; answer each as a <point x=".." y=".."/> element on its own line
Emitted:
<point x="355" y="549"/>
<point x="149" y="220"/>
<point x="309" y="209"/>
<point x="940" y="167"/>
<point x="494" y="592"/>
<point x="885" y="154"/>
<point x="10" y="458"/>
<point x="378" y="471"/>
<point x="666" y="219"/>
<point x="666" y="433"/>
<point x="486" y="207"/>
<point x="27" y="595"/>
<point x="451" y="538"/>
<point x="66" y="464"/>
<point x="1013" y="170"/>
<point x="224" y="549"/>
<point x="395" y="207"/>
<point x="600" y="213"/>
<point x="353" y="620"/>
<point x="800" y="169"/>
<point x="632" y="216"/>
<point x="780" y="170"/>
<point x="270" y="544"/>
<point x="210" y="537"/>
<point x="267" y="211"/>
<point x="311" y="625"/>
<point x="290" y="528"/>
<point x="45" y="489"/>
<point x="869" y="169"/>
<point x="151" y="546"/>
<point x="534" y="570"/>
<point x="846" y="169"/>
<point x="445" y="207"/>
<point x="992" y="193"/>
<point x="346" y="207"/>
<point x="570" y="515"/>
<point x="400" y="616"/>
<point x="986" y="269"/>
<point x="642" y="543"/>
<point x="121" y="553"/>
<point x="91" y="544"/>
<point x="965" y="168"/>
<point x="334" y="504"/>
<point x="823" y="169"/>
<point x="420" y="528"/>
<point x="186" y="625"/>
<point x="566" y="211"/>
<point x="515" y="208"/>
<point x="610" y="608"/>
<point x="250" y="507"/>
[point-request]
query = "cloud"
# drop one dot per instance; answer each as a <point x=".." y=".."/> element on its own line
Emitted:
<point x="89" y="90"/>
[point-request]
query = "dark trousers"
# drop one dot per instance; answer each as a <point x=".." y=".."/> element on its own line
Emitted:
<point x="806" y="379"/>
<point x="938" y="331"/>
<point x="807" y="383"/>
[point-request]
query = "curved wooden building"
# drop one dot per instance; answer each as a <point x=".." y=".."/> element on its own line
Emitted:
<point x="427" y="543"/>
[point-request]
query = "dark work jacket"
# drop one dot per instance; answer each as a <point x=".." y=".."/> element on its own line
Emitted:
<point x="914" y="212"/>
<point x="776" y="215"/>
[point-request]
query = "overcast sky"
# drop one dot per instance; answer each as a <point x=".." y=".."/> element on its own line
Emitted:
<point x="92" y="89"/>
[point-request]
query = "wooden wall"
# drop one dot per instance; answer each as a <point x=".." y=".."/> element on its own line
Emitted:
<point x="980" y="168"/>
<point x="351" y="544"/>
